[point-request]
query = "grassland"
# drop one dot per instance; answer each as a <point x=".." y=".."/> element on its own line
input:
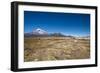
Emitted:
<point x="55" y="48"/>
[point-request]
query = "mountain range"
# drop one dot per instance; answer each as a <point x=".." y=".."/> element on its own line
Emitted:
<point x="42" y="33"/>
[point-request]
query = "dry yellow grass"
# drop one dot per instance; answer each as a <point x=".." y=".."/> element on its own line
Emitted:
<point x="45" y="49"/>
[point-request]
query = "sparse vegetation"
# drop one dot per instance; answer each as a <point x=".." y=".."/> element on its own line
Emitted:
<point x="55" y="48"/>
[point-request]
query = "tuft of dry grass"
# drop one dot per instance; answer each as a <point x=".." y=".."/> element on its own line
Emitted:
<point x="55" y="48"/>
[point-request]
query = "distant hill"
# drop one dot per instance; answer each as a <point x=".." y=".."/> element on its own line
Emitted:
<point x="42" y="33"/>
<point x="57" y="34"/>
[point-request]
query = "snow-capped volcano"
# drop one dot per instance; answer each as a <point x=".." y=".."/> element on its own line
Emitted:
<point x="39" y="31"/>
<point x="42" y="33"/>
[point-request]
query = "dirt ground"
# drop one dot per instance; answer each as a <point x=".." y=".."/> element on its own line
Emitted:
<point x="45" y="49"/>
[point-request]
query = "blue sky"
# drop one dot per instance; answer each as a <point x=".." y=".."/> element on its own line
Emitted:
<point x="65" y="23"/>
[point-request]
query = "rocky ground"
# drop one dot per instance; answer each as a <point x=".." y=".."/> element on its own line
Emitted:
<point x="39" y="49"/>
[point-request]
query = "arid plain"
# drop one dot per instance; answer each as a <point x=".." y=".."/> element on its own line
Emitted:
<point x="55" y="48"/>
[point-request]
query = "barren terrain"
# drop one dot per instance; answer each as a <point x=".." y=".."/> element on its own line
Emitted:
<point x="55" y="48"/>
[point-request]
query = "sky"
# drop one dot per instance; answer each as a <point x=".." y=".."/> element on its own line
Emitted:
<point x="74" y="24"/>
